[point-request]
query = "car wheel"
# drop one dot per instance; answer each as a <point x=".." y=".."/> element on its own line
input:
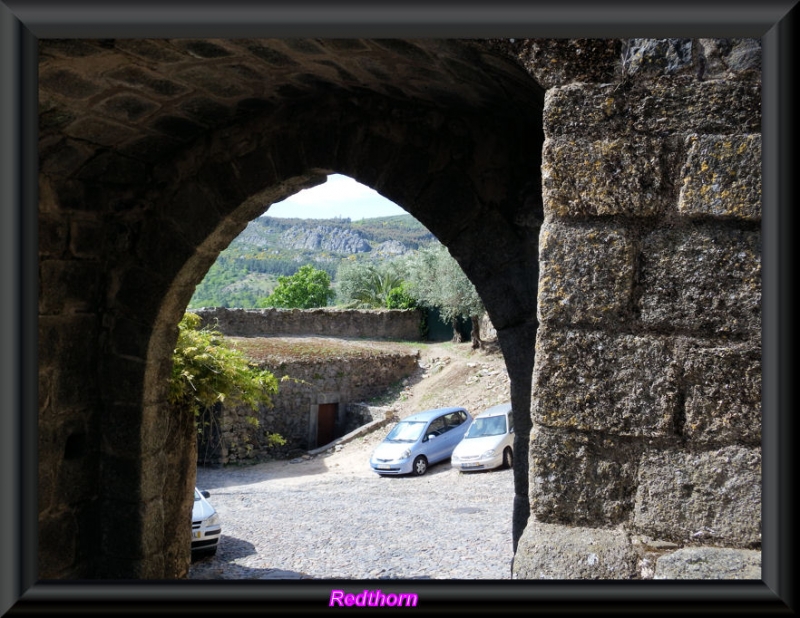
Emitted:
<point x="420" y="465"/>
<point x="508" y="458"/>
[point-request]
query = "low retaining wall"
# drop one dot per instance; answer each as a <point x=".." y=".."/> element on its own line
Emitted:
<point x="341" y="382"/>
<point x="397" y="324"/>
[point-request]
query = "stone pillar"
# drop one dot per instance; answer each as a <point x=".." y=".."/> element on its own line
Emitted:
<point x="647" y="381"/>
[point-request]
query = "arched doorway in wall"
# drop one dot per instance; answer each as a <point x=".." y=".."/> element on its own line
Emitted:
<point x="449" y="130"/>
<point x="314" y="228"/>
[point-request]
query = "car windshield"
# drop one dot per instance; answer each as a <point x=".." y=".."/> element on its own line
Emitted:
<point x="488" y="426"/>
<point x="196" y="495"/>
<point x="406" y="431"/>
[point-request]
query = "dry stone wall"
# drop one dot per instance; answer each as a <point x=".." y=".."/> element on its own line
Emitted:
<point x="232" y="438"/>
<point x="647" y="380"/>
<point x="399" y="324"/>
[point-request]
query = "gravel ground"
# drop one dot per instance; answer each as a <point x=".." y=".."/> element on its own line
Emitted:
<point x="331" y="517"/>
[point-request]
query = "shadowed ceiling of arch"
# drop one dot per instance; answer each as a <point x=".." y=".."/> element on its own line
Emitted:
<point x="147" y="98"/>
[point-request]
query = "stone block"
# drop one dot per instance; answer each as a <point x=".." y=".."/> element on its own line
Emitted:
<point x="143" y="522"/>
<point x="150" y="149"/>
<point x="123" y="378"/>
<point x="67" y="83"/>
<point x="703" y="279"/>
<point x="581" y="479"/>
<point x="124" y="567"/>
<point x="684" y="105"/>
<point x="87" y="238"/>
<point x="57" y="540"/>
<point x="177" y="127"/>
<point x="162" y="247"/>
<point x="591" y="381"/>
<point x="121" y="427"/>
<point x="556" y="62"/>
<point x="111" y="168"/>
<point x="65" y="157"/>
<point x="139" y="292"/>
<point x="206" y="111"/>
<point x="151" y="83"/>
<point x="225" y="83"/>
<point x="709" y="563"/>
<point x="722" y="399"/>
<point x="711" y="498"/>
<point x="121" y="478"/>
<point x="53" y="232"/>
<point x="150" y="50"/>
<point x="548" y="551"/>
<point x="658" y="57"/>
<point x="77" y="443"/>
<point x="67" y="352"/>
<point x="606" y="177"/>
<point x="585" y="275"/>
<point x="722" y="177"/>
<point x="204" y="49"/>
<point x="667" y="106"/>
<point x="100" y="131"/>
<point x="128" y="106"/>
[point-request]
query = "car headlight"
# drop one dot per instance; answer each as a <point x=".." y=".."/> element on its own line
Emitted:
<point x="455" y="457"/>
<point x="405" y="454"/>
<point x="487" y="454"/>
<point x="213" y="520"/>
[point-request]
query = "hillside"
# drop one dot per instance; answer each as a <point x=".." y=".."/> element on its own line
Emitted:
<point x="270" y="247"/>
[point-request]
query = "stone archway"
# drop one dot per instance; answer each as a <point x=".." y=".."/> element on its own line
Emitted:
<point x="161" y="150"/>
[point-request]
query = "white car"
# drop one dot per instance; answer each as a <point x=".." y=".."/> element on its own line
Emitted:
<point x="489" y="443"/>
<point x="206" y="528"/>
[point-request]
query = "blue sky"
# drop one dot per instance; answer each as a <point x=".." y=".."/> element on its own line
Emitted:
<point x="340" y="196"/>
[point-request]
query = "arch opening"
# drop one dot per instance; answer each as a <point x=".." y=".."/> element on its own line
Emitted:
<point x="458" y="153"/>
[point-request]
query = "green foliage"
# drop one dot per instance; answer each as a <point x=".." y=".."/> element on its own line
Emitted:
<point x="400" y="298"/>
<point x="248" y="270"/>
<point x="436" y="280"/>
<point x="207" y="371"/>
<point x="402" y="228"/>
<point x="371" y="286"/>
<point x="309" y="287"/>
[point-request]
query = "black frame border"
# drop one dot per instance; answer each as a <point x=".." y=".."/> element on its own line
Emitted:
<point x="22" y="23"/>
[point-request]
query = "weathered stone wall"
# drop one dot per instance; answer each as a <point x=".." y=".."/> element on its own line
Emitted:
<point x="343" y="381"/>
<point x="400" y="324"/>
<point x="647" y="381"/>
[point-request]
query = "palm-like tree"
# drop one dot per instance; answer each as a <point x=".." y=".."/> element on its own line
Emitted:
<point x="372" y="291"/>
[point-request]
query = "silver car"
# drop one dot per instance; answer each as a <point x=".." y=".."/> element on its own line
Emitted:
<point x="489" y="443"/>
<point x="206" y="528"/>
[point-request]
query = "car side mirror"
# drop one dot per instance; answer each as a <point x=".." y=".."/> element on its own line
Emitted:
<point x="431" y="435"/>
<point x="205" y="493"/>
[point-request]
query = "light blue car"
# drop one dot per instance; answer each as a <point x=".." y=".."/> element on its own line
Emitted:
<point x="420" y="440"/>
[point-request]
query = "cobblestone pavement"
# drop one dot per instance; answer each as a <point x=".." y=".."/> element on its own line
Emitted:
<point x="318" y="518"/>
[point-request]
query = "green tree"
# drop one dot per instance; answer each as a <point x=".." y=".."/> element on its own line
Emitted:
<point x="436" y="280"/>
<point x="371" y="286"/>
<point x="206" y="371"/>
<point x="309" y="287"/>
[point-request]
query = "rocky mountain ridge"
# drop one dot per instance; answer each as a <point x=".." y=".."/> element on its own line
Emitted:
<point x="270" y="247"/>
<point x="387" y="235"/>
